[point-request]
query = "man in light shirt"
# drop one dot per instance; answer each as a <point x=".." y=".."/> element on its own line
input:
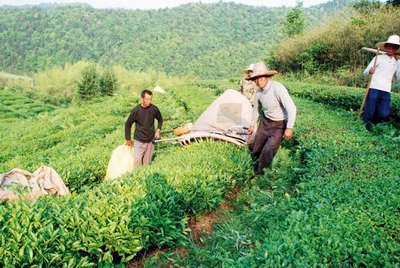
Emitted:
<point x="278" y="114"/>
<point x="248" y="87"/>
<point x="377" y="105"/>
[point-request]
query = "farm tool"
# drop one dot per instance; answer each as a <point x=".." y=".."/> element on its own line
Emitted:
<point x="237" y="135"/>
<point x="178" y="131"/>
<point x="226" y="119"/>
<point x="374" y="50"/>
<point x="377" y="51"/>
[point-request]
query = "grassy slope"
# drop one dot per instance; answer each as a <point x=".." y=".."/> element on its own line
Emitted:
<point x="78" y="141"/>
<point x="74" y="142"/>
<point x="342" y="179"/>
<point x="343" y="209"/>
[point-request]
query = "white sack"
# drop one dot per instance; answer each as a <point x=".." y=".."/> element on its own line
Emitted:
<point x="21" y="183"/>
<point x="121" y="161"/>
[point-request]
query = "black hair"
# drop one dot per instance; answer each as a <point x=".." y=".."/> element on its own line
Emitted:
<point x="391" y="44"/>
<point x="146" y="91"/>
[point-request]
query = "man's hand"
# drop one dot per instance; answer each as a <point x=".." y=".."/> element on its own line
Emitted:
<point x="250" y="130"/>
<point x="158" y="134"/>
<point x="128" y="143"/>
<point x="372" y="70"/>
<point x="288" y="134"/>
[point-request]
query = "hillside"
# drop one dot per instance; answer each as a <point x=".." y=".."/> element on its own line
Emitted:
<point x="205" y="40"/>
<point x="330" y="198"/>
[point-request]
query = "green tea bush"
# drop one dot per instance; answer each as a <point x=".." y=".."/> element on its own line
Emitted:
<point x="194" y="100"/>
<point x="76" y="230"/>
<point x="348" y="98"/>
<point x="78" y="141"/>
<point x="108" y="223"/>
<point x="203" y="181"/>
<point x="18" y="106"/>
<point x="164" y="203"/>
<point x="73" y="141"/>
<point x="112" y="222"/>
<point x="329" y="199"/>
<point x="341" y="202"/>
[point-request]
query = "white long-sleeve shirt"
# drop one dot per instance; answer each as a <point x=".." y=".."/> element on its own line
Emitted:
<point x="386" y="67"/>
<point x="276" y="103"/>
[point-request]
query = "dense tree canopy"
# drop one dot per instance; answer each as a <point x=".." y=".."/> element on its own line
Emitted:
<point x="294" y="22"/>
<point x="206" y="40"/>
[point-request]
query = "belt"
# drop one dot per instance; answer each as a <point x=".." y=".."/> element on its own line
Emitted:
<point x="269" y="120"/>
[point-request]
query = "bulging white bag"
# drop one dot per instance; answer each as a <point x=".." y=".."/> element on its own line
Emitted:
<point x="121" y="161"/>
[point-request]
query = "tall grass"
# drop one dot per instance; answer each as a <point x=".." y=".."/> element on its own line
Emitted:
<point x="334" y="49"/>
<point x="58" y="85"/>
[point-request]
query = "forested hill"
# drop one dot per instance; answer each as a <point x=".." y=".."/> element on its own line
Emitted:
<point x="206" y="40"/>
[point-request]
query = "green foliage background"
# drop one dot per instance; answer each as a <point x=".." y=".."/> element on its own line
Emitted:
<point x="335" y="49"/>
<point x="330" y="198"/>
<point x="206" y="40"/>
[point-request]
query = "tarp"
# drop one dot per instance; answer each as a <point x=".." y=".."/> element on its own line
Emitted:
<point x="228" y="110"/>
<point x="19" y="183"/>
<point x="159" y="89"/>
<point x="227" y="118"/>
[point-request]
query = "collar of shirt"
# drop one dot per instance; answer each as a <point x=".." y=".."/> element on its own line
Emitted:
<point x="267" y="87"/>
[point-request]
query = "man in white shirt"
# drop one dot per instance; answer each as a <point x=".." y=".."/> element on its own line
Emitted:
<point x="377" y="105"/>
<point x="273" y="102"/>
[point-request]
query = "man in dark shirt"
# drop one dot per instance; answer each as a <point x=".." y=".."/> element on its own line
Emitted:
<point x="143" y="115"/>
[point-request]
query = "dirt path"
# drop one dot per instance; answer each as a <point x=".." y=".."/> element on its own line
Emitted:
<point x="199" y="225"/>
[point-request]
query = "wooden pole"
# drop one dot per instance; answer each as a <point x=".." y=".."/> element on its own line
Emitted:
<point x="369" y="83"/>
<point x="373" y="50"/>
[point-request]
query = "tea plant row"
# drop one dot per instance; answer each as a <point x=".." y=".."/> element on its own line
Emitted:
<point x="329" y="200"/>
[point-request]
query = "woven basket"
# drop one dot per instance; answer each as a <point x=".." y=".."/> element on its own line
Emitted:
<point x="182" y="129"/>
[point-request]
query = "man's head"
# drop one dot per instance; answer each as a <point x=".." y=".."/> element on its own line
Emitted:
<point x="261" y="81"/>
<point x="261" y="74"/>
<point x="391" y="45"/>
<point x="249" y="70"/>
<point x="146" y="97"/>
<point x="391" y="49"/>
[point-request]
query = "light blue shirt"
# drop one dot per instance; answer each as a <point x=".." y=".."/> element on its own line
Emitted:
<point x="276" y="103"/>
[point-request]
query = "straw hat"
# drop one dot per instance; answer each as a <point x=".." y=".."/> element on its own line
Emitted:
<point x="260" y="70"/>
<point x="250" y="68"/>
<point x="393" y="39"/>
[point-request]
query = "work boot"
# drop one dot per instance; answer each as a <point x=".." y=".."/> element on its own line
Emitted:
<point x="368" y="126"/>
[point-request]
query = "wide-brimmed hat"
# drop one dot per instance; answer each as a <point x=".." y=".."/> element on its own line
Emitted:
<point x="393" y="39"/>
<point x="250" y="68"/>
<point x="260" y="70"/>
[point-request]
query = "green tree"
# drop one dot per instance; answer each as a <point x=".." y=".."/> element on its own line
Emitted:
<point x="367" y="7"/>
<point x="88" y="86"/>
<point x="179" y="41"/>
<point x="108" y="82"/>
<point x="393" y="2"/>
<point x="294" y="22"/>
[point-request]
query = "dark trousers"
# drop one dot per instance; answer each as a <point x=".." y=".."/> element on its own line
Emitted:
<point x="267" y="141"/>
<point x="377" y="106"/>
